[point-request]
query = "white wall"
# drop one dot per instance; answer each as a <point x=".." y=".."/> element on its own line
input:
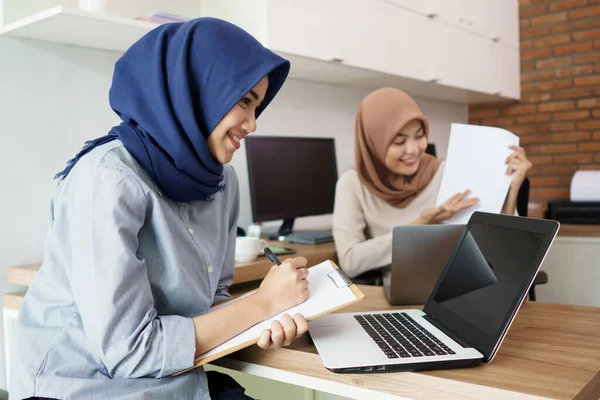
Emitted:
<point x="54" y="97"/>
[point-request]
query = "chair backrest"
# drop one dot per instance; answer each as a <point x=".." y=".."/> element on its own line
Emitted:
<point x="523" y="198"/>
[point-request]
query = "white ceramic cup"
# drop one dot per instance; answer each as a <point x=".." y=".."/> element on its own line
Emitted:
<point x="247" y="248"/>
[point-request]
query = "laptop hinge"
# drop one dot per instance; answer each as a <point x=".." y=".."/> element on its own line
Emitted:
<point x="447" y="331"/>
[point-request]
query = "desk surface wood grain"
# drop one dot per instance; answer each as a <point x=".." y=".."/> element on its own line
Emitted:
<point x="579" y="230"/>
<point x="551" y="351"/>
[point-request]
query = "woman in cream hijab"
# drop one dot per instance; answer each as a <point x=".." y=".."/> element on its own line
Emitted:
<point x="395" y="182"/>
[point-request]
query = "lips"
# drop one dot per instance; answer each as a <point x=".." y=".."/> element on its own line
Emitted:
<point x="234" y="139"/>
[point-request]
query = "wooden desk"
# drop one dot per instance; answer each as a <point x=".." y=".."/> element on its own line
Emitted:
<point x="579" y="230"/>
<point x="551" y="352"/>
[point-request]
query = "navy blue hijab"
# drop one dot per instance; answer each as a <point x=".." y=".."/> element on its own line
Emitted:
<point x="171" y="89"/>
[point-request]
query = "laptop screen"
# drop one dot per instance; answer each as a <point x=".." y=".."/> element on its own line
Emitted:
<point x="486" y="278"/>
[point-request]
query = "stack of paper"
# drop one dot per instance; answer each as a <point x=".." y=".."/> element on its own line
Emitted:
<point x="476" y="161"/>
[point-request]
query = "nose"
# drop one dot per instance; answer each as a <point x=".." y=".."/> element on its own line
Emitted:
<point x="411" y="147"/>
<point x="250" y="124"/>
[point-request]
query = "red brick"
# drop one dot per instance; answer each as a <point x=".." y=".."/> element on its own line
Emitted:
<point x="552" y="194"/>
<point x="597" y="69"/>
<point x="560" y="169"/>
<point x="527" y="66"/>
<point x="597" y="92"/>
<point x="557" y="106"/>
<point x="571" y="71"/>
<point x="533" y="139"/>
<point x="597" y="44"/>
<point x="519" y="109"/>
<point x="587" y="80"/>
<point x="597" y="157"/>
<point x="593" y="167"/>
<point x="572" y="93"/>
<point x="579" y="47"/>
<point x="536" y="53"/>
<point x="531" y="149"/>
<point x="554" y="62"/>
<point x="586" y="125"/>
<point x="587" y="58"/>
<point x="527" y="87"/>
<point x="549" y="41"/>
<point x="540" y="160"/>
<point x="558" y="148"/>
<point x="586" y="35"/>
<point x="584" y="12"/>
<point x="590" y="146"/>
<point x="535" y="97"/>
<point x="491" y="112"/>
<point x="534" y="31"/>
<point x="588" y="103"/>
<point x="565" y="4"/>
<point x="596" y="135"/>
<point x="571" y="115"/>
<point x="570" y="136"/>
<point x="526" y="45"/>
<point x="556" y="127"/>
<point x="596" y="112"/>
<point x="546" y="181"/>
<point x="524" y="23"/>
<point x="572" y="158"/>
<point x="536" y="76"/>
<point x="554" y="84"/>
<point x="539" y="117"/>
<point x="575" y="25"/>
<point x="549" y="19"/>
<point x="533" y="11"/>
<point x="502" y="121"/>
<point x="522" y="129"/>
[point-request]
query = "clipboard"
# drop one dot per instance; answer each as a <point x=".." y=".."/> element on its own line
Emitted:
<point x="333" y="290"/>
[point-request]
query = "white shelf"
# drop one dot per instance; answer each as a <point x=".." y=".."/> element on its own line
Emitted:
<point x="80" y="28"/>
<point x="106" y="32"/>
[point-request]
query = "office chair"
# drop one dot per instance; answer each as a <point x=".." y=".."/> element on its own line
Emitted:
<point x="522" y="208"/>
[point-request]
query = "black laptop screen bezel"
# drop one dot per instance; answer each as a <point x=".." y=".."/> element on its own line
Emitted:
<point x="471" y="335"/>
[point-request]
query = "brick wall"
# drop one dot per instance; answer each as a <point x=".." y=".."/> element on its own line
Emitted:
<point x="558" y="117"/>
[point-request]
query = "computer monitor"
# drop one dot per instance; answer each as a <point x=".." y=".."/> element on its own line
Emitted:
<point x="290" y="177"/>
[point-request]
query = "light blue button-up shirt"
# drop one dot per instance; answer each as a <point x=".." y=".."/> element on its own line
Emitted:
<point x="108" y="315"/>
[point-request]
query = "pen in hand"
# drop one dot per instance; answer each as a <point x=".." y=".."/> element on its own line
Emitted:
<point x="271" y="256"/>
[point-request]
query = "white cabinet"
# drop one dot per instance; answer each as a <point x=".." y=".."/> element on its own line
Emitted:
<point x="439" y="49"/>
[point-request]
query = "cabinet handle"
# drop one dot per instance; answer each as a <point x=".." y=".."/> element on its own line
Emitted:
<point x="432" y="15"/>
<point x="337" y="59"/>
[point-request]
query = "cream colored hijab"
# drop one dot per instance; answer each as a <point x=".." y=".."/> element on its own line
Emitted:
<point x="381" y="116"/>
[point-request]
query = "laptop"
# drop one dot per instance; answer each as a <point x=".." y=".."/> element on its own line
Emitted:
<point x="419" y="255"/>
<point x="466" y="316"/>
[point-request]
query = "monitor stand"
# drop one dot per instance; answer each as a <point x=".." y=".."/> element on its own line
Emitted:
<point x="285" y="229"/>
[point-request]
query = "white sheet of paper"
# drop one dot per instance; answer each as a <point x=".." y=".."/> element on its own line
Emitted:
<point x="475" y="161"/>
<point x="323" y="295"/>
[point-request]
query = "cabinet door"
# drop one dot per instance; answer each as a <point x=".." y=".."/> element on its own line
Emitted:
<point x="511" y="72"/>
<point x="412" y="44"/>
<point x="365" y="32"/>
<point x="308" y="28"/>
<point x="504" y="22"/>
<point x="423" y="7"/>
<point x="468" y="61"/>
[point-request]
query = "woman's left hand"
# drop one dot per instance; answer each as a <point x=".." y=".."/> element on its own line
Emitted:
<point x="519" y="165"/>
<point x="283" y="333"/>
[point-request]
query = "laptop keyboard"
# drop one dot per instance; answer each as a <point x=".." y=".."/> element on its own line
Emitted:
<point x="398" y="335"/>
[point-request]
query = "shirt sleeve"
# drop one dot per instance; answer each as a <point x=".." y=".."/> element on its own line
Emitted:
<point x="226" y="278"/>
<point x="355" y="252"/>
<point x="110" y="281"/>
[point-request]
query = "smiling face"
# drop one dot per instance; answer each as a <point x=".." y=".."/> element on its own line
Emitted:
<point x="404" y="153"/>
<point x="238" y="123"/>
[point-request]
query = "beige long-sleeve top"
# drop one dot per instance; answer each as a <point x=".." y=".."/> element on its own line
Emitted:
<point x="363" y="223"/>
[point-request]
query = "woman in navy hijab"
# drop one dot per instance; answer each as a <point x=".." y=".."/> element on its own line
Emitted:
<point x="142" y="233"/>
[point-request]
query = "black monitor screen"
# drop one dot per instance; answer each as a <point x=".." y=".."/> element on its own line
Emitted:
<point x="290" y="177"/>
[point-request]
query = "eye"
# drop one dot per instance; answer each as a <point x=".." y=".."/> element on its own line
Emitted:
<point x="246" y="101"/>
<point x="399" y="142"/>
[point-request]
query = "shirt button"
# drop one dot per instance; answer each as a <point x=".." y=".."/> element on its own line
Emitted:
<point x="191" y="231"/>
<point x="210" y="269"/>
